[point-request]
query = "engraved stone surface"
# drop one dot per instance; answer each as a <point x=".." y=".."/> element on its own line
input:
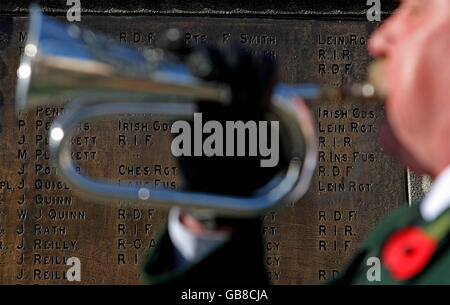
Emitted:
<point x="418" y="186"/>
<point x="210" y="7"/>
<point x="42" y="223"/>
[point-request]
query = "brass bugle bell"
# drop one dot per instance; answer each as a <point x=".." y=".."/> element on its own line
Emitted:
<point x="102" y="77"/>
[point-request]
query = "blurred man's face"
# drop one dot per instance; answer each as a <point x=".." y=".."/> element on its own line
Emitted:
<point x="414" y="44"/>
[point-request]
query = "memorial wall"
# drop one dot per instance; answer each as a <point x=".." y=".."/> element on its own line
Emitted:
<point x="43" y="222"/>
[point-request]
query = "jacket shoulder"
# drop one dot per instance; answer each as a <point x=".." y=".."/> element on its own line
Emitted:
<point x="364" y="262"/>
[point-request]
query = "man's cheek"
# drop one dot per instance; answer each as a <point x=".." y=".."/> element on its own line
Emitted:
<point x="398" y="103"/>
<point x="399" y="116"/>
<point x="405" y="88"/>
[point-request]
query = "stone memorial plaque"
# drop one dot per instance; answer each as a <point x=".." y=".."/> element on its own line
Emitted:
<point x="43" y="223"/>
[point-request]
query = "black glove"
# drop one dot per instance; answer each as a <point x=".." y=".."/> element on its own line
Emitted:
<point x="251" y="79"/>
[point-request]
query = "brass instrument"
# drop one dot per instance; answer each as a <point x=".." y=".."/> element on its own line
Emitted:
<point x="103" y="77"/>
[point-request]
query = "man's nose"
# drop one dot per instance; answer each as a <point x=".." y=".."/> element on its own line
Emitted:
<point x="385" y="37"/>
<point x="380" y="41"/>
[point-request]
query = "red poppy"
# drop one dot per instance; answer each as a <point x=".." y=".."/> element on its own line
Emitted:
<point x="407" y="252"/>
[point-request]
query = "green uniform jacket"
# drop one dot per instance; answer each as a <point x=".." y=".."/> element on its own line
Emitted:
<point x="240" y="260"/>
<point x="436" y="271"/>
